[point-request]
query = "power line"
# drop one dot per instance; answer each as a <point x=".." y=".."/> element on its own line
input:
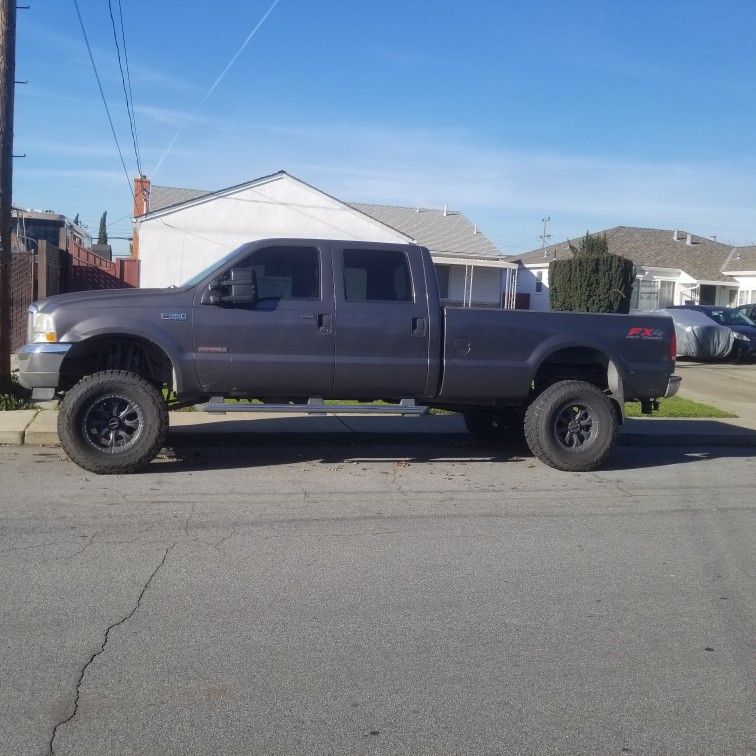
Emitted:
<point x="102" y="94"/>
<point x="214" y="85"/>
<point x="128" y="77"/>
<point x="131" y="91"/>
<point x="123" y="83"/>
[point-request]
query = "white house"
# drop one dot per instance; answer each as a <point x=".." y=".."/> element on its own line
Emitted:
<point x="179" y="232"/>
<point x="672" y="267"/>
<point x="741" y="265"/>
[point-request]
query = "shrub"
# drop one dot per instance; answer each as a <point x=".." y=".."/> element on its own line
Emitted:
<point x="593" y="280"/>
<point x="14" y="397"/>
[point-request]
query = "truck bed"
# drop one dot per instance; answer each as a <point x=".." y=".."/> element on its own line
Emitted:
<point x="497" y="353"/>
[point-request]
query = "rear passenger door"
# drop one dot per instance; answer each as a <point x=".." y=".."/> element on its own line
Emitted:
<point x="381" y="316"/>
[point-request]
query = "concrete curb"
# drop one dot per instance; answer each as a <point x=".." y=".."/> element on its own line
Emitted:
<point x="39" y="428"/>
<point x="689" y="440"/>
<point x="43" y="429"/>
<point x="13" y="425"/>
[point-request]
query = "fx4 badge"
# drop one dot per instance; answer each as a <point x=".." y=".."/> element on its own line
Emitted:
<point x="637" y="332"/>
<point x="172" y="316"/>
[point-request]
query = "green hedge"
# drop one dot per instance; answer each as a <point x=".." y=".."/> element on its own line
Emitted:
<point x="591" y="283"/>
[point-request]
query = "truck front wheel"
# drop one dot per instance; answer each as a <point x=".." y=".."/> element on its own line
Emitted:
<point x="112" y="422"/>
<point x="571" y="426"/>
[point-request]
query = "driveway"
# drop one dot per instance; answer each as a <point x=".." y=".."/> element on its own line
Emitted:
<point x="729" y="387"/>
<point x="399" y="599"/>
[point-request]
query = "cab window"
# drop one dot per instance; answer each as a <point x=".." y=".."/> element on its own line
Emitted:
<point x="286" y="272"/>
<point x="376" y="276"/>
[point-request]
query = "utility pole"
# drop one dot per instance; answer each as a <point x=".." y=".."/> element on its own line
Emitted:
<point x="7" y="86"/>
<point x="544" y="237"/>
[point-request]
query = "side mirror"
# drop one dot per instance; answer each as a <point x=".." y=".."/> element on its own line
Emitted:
<point x="237" y="287"/>
<point x="241" y="287"/>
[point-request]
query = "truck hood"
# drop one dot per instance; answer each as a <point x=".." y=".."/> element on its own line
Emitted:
<point x="110" y="298"/>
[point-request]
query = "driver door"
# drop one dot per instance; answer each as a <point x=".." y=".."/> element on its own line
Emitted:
<point x="282" y="345"/>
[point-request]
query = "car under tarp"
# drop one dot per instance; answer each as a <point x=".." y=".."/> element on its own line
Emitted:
<point x="698" y="335"/>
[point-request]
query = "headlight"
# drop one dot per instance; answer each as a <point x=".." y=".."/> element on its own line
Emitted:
<point x="740" y="336"/>
<point x="41" y="328"/>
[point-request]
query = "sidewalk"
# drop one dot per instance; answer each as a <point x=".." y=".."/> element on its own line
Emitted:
<point x="39" y="428"/>
<point x="729" y="387"/>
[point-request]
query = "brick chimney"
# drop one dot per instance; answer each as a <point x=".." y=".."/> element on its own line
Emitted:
<point x="141" y="207"/>
<point x="141" y="196"/>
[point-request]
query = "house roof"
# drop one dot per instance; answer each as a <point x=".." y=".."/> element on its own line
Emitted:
<point x="441" y="231"/>
<point x="704" y="259"/>
<point x="438" y="230"/>
<point x="168" y="196"/>
<point x="741" y="259"/>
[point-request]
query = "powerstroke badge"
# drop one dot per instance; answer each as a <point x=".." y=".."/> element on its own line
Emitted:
<point x="173" y="316"/>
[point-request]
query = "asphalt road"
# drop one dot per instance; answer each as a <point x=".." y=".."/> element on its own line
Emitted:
<point x="393" y="600"/>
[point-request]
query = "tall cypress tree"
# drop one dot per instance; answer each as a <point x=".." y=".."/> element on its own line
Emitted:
<point x="594" y="280"/>
<point x="102" y="235"/>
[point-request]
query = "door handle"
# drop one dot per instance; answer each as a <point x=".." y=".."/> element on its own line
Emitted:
<point x="418" y="326"/>
<point x="325" y="322"/>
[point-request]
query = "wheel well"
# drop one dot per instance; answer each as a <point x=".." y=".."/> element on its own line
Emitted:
<point x="574" y="363"/>
<point x="116" y="352"/>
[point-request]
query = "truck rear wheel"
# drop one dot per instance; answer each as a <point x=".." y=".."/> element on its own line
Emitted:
<point x="112" y="422"/>
<point x="571" y="426"/>
<point x="496" y="426"/>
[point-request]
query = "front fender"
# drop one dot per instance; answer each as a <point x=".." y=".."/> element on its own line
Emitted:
<point x="175" y="345"/>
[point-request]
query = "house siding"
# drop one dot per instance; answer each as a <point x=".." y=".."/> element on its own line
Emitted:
<point x="175" y="247"/>
<point x="747" y="293"/>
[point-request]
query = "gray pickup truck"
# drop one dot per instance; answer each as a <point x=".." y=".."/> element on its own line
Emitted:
<point x="293" y="322"/>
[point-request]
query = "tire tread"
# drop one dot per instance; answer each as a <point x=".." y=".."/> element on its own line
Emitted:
<point x="543" y="404"/>
<point x="69" y="438"/>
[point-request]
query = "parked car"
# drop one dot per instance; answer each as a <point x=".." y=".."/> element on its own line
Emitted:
<point x="295" y="321"/>
<point x="743" y="329"/>
<point x="749" y="310"/>
<point x="698" y="336"/>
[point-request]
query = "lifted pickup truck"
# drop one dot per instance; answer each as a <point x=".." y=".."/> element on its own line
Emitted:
<point x="292" y="322"/>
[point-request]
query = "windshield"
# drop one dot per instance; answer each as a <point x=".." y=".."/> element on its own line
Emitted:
<point x="194" y="280"/>
<point x="730" y="317"/>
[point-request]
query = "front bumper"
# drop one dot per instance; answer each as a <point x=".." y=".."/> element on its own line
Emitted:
<point x="673" y="386"/>
<point x="39" y="365"/>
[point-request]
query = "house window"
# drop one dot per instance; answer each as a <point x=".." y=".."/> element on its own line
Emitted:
<point x="746" y="297"/>
<point x="666" y="293"/>
<point x="442" y="275"/>
<point x="648" y="295"/>
<point x="376" y="276"/>
<point x="539" y="281"/>
<point x="651" y="295"/>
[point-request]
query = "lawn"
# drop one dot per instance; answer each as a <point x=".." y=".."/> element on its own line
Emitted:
<point x="677" y="406"/>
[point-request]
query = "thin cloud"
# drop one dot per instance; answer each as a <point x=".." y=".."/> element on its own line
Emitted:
<point x="170" y="116"/>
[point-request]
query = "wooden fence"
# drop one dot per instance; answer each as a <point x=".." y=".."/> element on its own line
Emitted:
<point x="53" y="270"/>
<point x="79" y="269"/>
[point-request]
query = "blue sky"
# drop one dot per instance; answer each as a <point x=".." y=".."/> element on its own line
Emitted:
<point x="595" y="113"/>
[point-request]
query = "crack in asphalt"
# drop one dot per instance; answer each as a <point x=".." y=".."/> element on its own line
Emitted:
<point x="188" y="520"/>
<point x="85" y="547"/>
<point x="97" y="653"/>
